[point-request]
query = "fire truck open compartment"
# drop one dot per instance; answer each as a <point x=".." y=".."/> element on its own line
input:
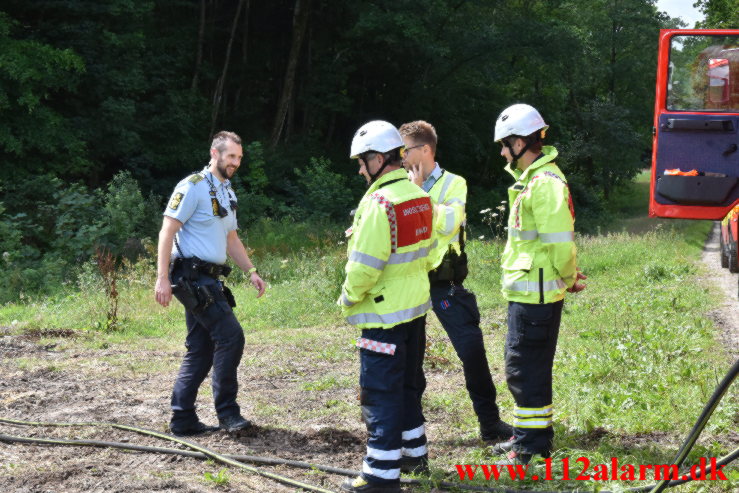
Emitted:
<point x="696" y="126"/>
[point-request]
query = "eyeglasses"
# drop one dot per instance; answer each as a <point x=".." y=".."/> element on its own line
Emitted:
<point x="404" y="150"/>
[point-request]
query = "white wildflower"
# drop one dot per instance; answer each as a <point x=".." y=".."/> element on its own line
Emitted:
<point x="485" y="211"/>
<point x="481" y="237"/>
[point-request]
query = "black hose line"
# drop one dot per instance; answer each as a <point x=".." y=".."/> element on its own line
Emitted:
<point x="174" y="451"/>
<point x="298" y="464"/>
<point x="234" y="460"/>
<point x="209" y="453"/>
<point x="710" y="406"/>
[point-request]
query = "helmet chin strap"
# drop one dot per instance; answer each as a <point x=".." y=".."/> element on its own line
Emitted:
<point x="517" y="156"/>
<point x="374" y="176"/>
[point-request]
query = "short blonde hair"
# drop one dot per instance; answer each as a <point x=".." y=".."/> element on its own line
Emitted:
<point x="421" y="132"/>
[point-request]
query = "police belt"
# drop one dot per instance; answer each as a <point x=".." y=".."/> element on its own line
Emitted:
<point x="194" y="264"/>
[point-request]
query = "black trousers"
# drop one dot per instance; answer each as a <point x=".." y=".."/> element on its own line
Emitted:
<point x="214" y="340"/>
<point x="530" y="345"/>
<point x="456" y="309"/>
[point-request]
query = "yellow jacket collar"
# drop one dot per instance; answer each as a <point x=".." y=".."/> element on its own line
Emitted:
<point x="393" y="175"/>
<point x="550" y="153"/>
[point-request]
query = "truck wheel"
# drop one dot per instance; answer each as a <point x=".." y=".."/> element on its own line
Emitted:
<point x="724" y="254"/>
<point x="733" y="260"/>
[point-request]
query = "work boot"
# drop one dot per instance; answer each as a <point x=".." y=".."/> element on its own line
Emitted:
<point x="415" y="465"/>
<point x="197" y="429"/>
<point x="234" y="423"/>
<point x="515" y="458"/>
<point x="360" y="485"/>
<point x="495" y="432"/>
<point x="502" y="448"/>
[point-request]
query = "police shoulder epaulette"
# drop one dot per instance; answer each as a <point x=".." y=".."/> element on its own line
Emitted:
<point x="195" y="178"/>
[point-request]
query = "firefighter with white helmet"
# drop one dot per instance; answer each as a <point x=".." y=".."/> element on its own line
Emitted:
<point x="539" y="266"/>
<point x="386" y="295"/>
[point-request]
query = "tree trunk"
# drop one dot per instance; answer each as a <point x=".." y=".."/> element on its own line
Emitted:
<point x="218" y="95"/>
<point x="300" y="22"/>
<point x="201" y="40"/>
<point x="245" y="34"/>
<point x="614" y="33"/>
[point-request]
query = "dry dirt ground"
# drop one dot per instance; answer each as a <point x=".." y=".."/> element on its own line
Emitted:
<point x="727" y="315"/>
<point x="58" y="377"/>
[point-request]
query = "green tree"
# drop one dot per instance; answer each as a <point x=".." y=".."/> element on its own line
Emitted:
<point x="719" y="14"/>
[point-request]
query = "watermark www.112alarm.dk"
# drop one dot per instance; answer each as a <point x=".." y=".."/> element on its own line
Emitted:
<point x="707" y="469"/>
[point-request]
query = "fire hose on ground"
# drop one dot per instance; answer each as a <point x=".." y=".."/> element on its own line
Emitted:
<point x="239" y="461"/>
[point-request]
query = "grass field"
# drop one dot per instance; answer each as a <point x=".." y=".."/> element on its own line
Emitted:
<point x="637" y="357"/>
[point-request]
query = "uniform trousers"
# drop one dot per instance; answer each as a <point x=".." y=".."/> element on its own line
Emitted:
<point x="530" y="345"/>
<point x="391" y="390"/>
<point x="214" y="340"/>
<point x="456" y="308"/>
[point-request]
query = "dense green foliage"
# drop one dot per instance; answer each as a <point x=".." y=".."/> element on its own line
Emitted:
<point x="719" y="14"/>
<point x="91" y="89"/>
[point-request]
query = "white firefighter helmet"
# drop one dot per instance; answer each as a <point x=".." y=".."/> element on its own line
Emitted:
<point x="519" y="119"/>
<point x="377" y="136"/>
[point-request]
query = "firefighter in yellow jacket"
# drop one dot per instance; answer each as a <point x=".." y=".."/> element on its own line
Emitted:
<point x="386" y="294"/>
<point x="539" y="265"/>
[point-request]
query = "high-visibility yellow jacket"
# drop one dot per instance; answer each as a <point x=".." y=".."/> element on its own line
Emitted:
<point x="388" y="255"/>
<point x="449" y="195"/>
<point x="539" y="260"/>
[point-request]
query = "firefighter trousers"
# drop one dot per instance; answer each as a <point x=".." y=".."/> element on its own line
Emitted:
<point x="391" y="390"/>
<point x="529" y="355"/>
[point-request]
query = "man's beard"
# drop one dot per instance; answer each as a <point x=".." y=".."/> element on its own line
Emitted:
<point x="223" y="169"/>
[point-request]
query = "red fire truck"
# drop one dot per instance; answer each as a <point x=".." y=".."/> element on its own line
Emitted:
<point x="695" y="153"/>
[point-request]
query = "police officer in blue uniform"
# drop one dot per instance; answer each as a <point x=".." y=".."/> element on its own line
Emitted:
<point x="200" y="222"/>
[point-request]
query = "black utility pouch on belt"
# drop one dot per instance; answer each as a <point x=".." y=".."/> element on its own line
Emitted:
<point x="229" y="296"/>
<point x="453" y="267"/>
<point x="193" y="296"/>
<point x="186" y="293"/>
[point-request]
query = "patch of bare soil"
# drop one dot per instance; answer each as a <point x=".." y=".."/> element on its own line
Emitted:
<point x="726" y="315"/>
<point x="59" y="394"/>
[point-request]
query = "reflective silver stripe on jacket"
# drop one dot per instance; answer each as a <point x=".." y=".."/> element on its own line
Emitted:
<point x="405" y="257"/>
<point x="449" y="223"/>
<point x="532" y="234"/>
<point x="524" y="235"/>
<point x="557" y="237"/>
<point x="447" y="182"/>
<point x="390" y="318"/>
<point x="366" y="259"/>
<point x="533" y="286"/>
<point x="345" y="301"/>
<point x="395" y="258"/>
<point x="455" y="200"/>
